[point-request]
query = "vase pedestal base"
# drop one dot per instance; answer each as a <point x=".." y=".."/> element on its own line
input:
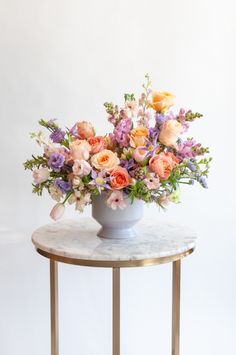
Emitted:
<point x="113" y="233"/>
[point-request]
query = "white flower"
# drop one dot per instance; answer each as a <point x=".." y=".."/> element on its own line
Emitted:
<point x="152" y="181"/>
<point x="77" y="183"/>
<point x="115" y="200"/>
<point x="81" y="168"/>
<point x="40" y="175"/>
<point x="55" y="193"/>
<point x="80" y="200"/>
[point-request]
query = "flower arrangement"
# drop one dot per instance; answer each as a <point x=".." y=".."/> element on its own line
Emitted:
<point x="144" y="157"/>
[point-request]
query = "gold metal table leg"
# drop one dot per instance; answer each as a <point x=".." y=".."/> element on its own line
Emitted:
<point x="176" y="307"/>
<point x="116" y="311"/>
<point x="54" y="307"/>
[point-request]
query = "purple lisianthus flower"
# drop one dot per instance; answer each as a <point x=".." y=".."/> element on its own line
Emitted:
<point x="127" y="164"/>
<point x="153" y="134"/>
<point x="121" y="132"/>
<point x="62" y="185"/>
<point x="57" y="135"/>
<point x="56" y="161"/>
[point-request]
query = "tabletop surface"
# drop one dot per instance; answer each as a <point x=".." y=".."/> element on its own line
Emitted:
<point x="76" y="242"/>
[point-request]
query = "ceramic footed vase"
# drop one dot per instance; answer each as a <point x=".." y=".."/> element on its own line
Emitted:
<point x="116" y="224"/>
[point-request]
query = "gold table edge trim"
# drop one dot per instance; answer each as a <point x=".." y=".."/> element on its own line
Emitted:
<point x="116" y="263"/>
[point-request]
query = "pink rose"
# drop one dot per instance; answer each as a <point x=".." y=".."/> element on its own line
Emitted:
<point x="97" y="144"/>
<point x="80" y="150"/>
<point x="162" y="164"/>
<point x="81" y="168"/>
<point x="57" y="211"/>
<point x="140" y="154"/>
<point x="85" y="130"/>
<point x="170" y="132"/>
<point x="40" y="175"/>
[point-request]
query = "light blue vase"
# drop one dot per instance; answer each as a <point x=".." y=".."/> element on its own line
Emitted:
<point x="116" y="224"/>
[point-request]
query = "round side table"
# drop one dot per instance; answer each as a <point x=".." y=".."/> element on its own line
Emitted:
<point x="76" y="242"/>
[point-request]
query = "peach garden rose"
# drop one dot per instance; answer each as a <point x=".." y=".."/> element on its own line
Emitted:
<point x="170" y="132"/>
<point x="162" y="164"/>
<point x="161" y="101"/>
<point x="80" y="150"/>
<point x="97" y="144"/>
<point x="105" y="160"/>
<point x="85" y="130"/>
<point x="138" y="136"/>
<point x="119" y="178"/>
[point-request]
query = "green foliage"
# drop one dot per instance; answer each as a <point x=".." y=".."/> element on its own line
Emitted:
<point x="35" y="162"/>
<point x="129" y="97"/>
<point x="191" y="116"/>
<point x="50" y="125"/>
<point x="139" y="190"/>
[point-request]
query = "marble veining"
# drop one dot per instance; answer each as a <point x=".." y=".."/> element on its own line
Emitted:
<point x="78" y="239"/>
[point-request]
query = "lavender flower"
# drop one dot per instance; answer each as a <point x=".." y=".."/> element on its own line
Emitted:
<point x="62" y="185"/>
<point x="56" y="161"/>
<point x="185" y="149"/>
<point x="182" y="119"/>
<point x="121" y="132"/>
<point x="160" y="119"/>
<point x="153" y="134"/>
<point x="73" y="131"/>
<point x="99" y="180"/>
<point x="52" y="123"/>
<point x="127" y="164"/>
<point x="57" y="135"/>
<point x="191" y="166"/>
<point x="203" y="182"/>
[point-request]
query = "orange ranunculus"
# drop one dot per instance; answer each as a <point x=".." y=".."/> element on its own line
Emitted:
<point x="85" y="130"/>
<point x="105" y="160"/>
<point x="162" y="101"/>
<point x="162" y="164"/>
<point x="119" y="178"/>
<point x="97" y="144"/>
<point x="138" y="136"/>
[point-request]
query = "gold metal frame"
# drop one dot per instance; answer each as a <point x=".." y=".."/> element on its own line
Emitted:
<point x="176" y="306"/>
<point x="54" y="307"/>
<point x="175" y="259"/>
<point x="115" y="264"/>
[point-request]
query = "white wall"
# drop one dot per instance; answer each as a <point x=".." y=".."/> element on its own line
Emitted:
<point x="64" y="59"/>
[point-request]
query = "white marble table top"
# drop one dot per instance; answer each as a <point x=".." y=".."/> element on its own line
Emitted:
<point x="78" y="240"/>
